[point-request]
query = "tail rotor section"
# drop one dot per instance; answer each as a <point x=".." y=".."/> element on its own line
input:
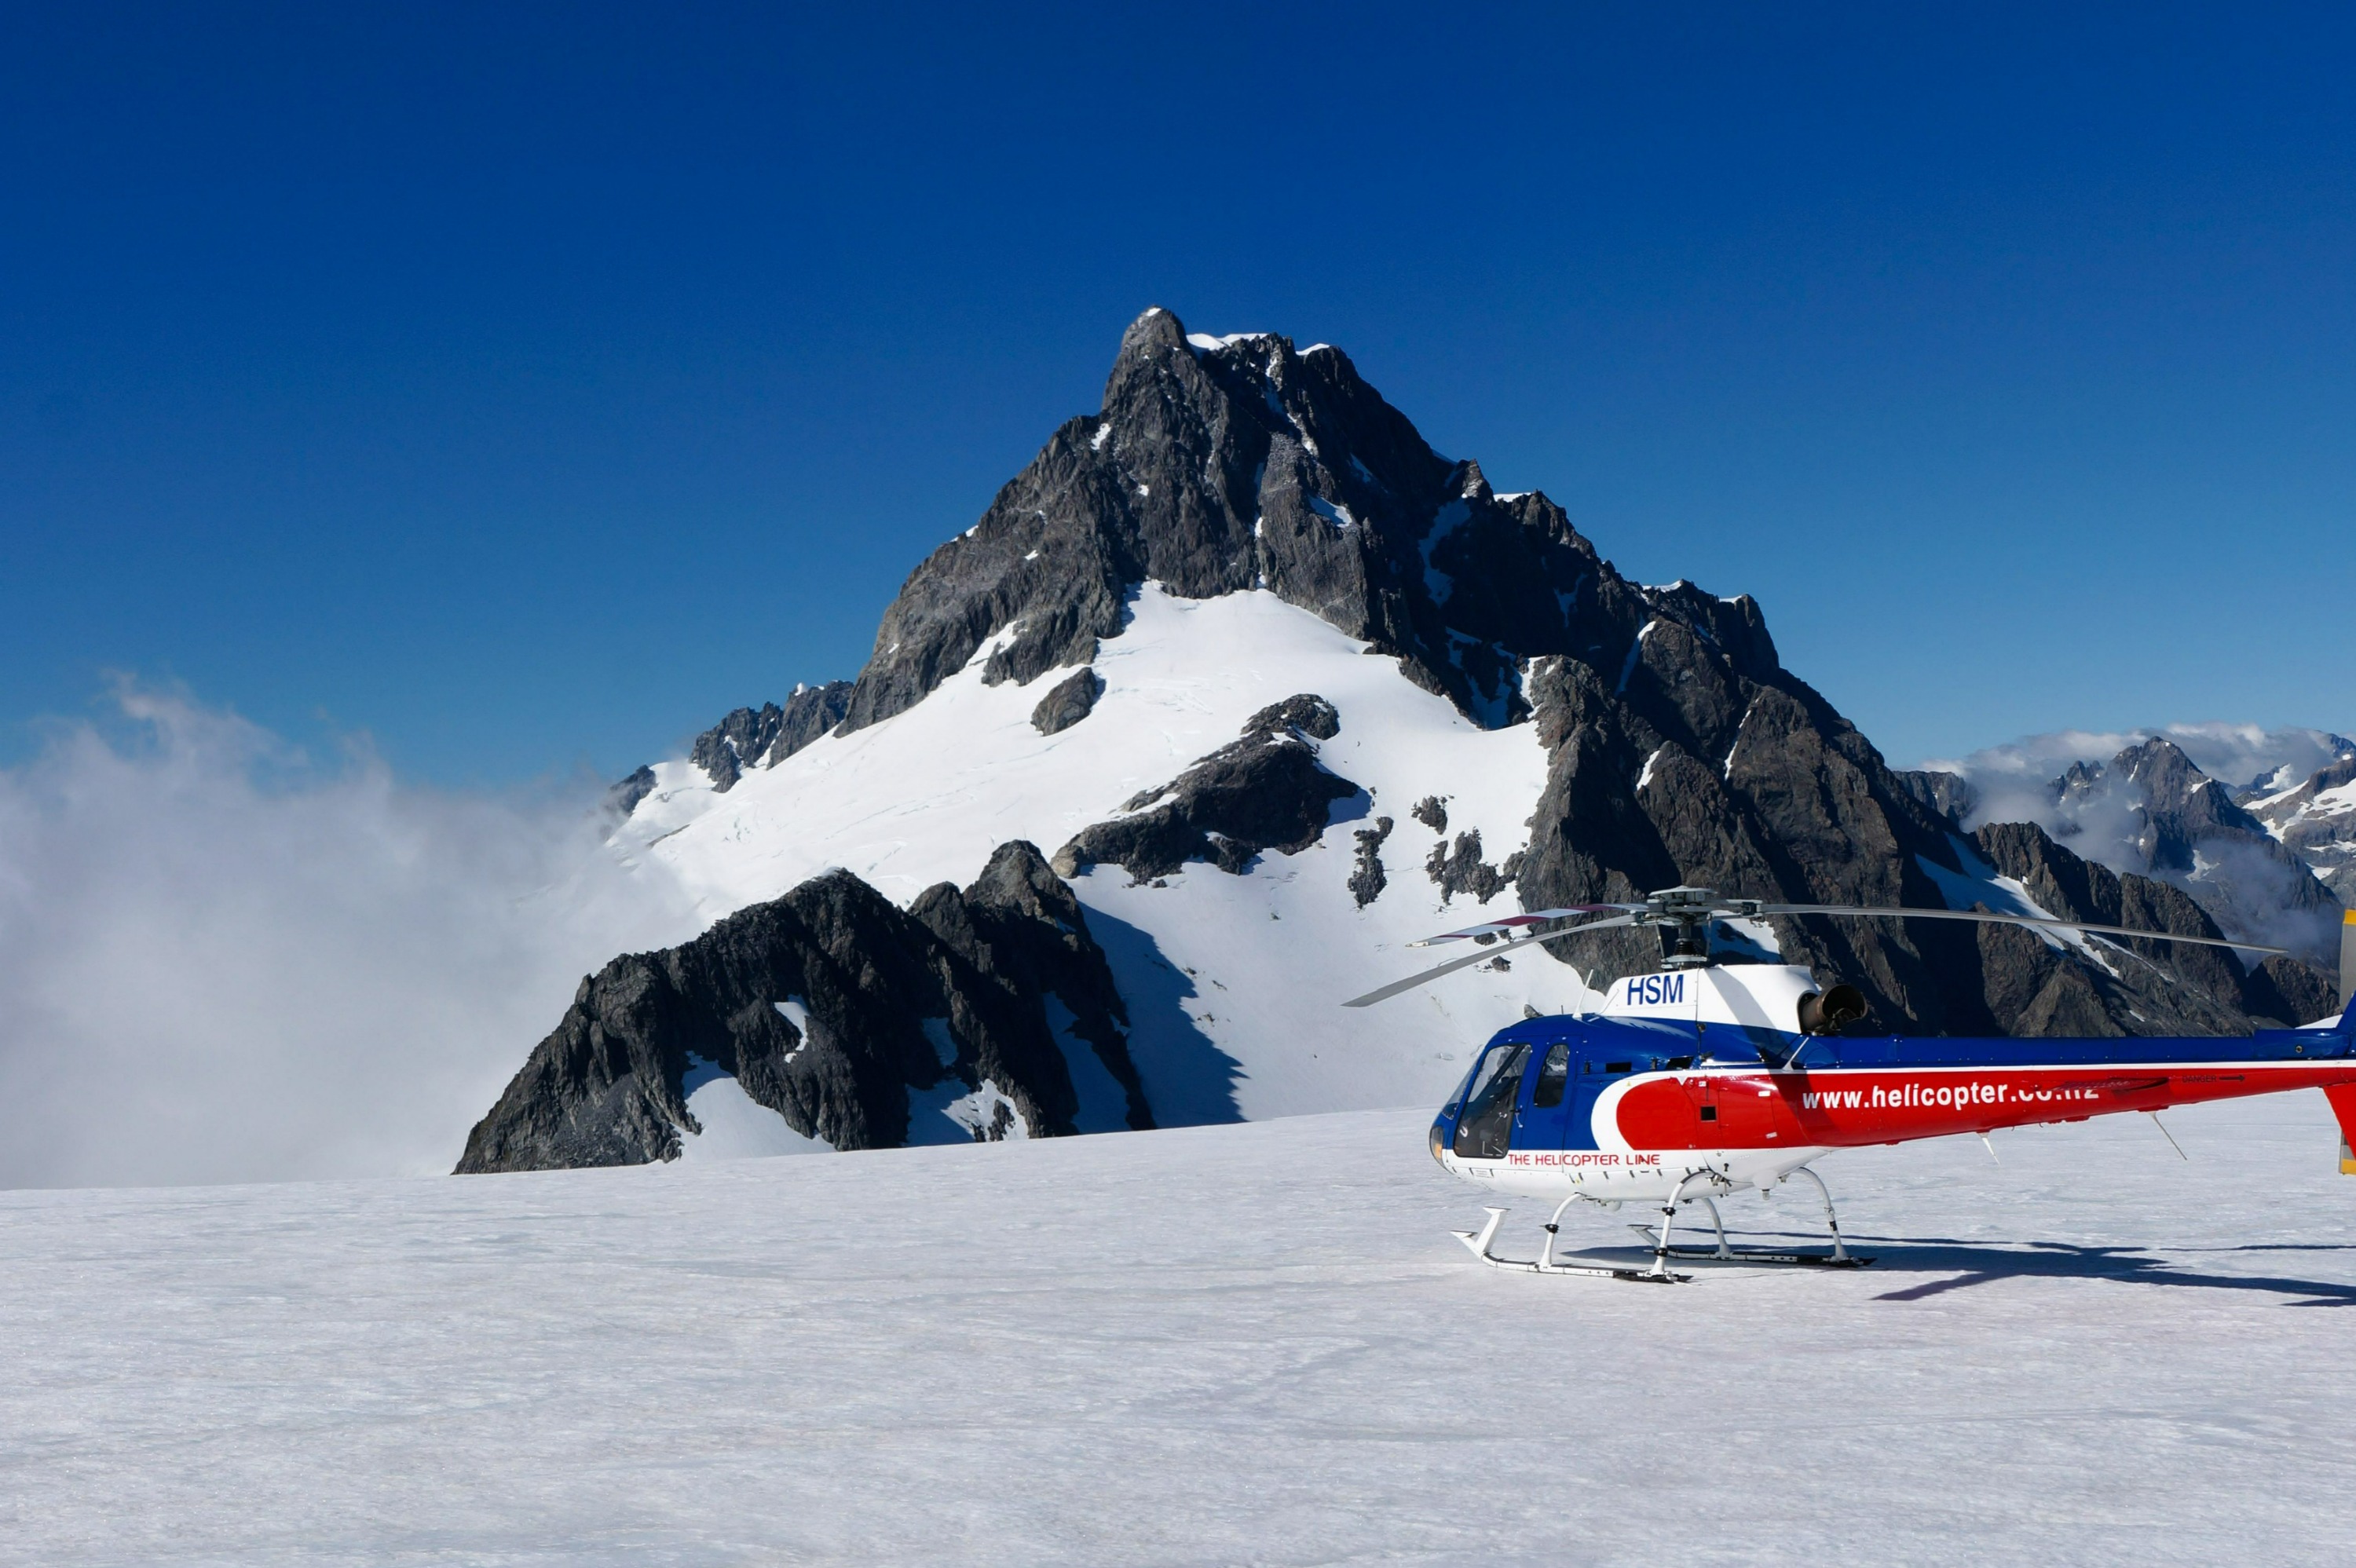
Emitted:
<point x="2343" y="1100"/>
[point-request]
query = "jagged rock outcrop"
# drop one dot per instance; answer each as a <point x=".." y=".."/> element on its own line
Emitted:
<point x="763" y="739"/>
<point x="623" y="798"/>
<point x="1688" y="754"/>
<point x="1949" y="796"/>
<point x="1463" y="868"/>
<point x="881" y="990"/>
<point x="1267" y="791"/>
<point x="1217" y="465"/>
<point x="1067" y="702"/>
<point x="1367" y="878"/>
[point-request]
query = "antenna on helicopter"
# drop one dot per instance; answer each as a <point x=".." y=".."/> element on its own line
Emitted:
<point x="1685" y="915"/>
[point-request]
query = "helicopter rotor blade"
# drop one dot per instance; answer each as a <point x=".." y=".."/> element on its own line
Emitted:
<point x="1985" y="917"/>
<point x="1534" y="917"/>
<point x="1385" y="992"/>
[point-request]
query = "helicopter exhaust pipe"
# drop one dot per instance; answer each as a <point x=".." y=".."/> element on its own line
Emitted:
<point x="1828" y="1012"/>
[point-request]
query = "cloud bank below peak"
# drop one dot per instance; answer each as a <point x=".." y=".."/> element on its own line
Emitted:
<point x="221" y="961"/>
<point x="2237" y="755"/>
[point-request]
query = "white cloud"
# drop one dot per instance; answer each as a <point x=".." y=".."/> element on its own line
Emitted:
<point x="219" y="961"/>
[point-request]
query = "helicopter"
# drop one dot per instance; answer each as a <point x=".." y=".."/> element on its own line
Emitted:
<point x="1703" y="1079"/>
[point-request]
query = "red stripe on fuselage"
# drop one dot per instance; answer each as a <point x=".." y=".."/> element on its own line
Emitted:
<point x="1878" y="1104"/>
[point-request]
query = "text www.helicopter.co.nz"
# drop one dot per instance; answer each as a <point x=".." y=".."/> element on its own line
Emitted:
<point x="1927" y="1096"/>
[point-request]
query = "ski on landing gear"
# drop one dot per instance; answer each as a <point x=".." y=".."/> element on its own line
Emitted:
<point x="1478" y="1242"/>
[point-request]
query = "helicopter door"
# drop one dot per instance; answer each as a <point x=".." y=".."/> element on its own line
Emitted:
<point x="1482" y="1131"/>
<point x="1546" y="1114"/>
<point x="1587" y="1083"/>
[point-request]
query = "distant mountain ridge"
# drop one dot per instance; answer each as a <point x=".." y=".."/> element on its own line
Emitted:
<point x="1585" y="738"/>
<point x="2272" y="861"/>
<point x="2315" y="818"/>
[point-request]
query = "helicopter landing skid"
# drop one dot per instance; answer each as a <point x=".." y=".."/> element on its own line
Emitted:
<point x="1754" y="1255"/>
<point x="1477" y="1242"/>
<point x="1839" y="1258"/>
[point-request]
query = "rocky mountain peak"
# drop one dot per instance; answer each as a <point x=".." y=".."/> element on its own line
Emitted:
<point x="1222" y="465"/>
<point x="2182" y="802"/>
<point x="1153" y="328"/>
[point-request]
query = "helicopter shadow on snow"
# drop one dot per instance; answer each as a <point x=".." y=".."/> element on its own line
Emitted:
<point x="1189" y="1080"/>
<point x="1965" y="1265"/>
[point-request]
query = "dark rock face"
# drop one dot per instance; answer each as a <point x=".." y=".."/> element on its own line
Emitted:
<point x="1368" y="879"/>
<point x="1688" y="754"/>
<point x="2285" y="991"/>
<point x="1949" y="796"/>
<point x="2176" y="989"/>
<point x="1068" y="703"/>
<point x="1463" y="870"/>
<point x="1214" y="467"/>
<point x="605" y="1088"/>
<point x="623" y="798"/>
<point x="1432" y="811"/>
<point x="746" y="738"/>
<point x="1267" y="791"/>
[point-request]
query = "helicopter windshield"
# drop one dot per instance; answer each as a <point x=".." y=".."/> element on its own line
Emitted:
<point x="1486" y="1125"/>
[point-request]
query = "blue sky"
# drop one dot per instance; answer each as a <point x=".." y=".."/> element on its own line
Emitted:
<point x="525" y="387"/>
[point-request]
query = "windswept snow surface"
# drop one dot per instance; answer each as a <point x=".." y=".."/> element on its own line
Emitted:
<point x="1233" y="983"/>
<point x="1215" y="1344"/>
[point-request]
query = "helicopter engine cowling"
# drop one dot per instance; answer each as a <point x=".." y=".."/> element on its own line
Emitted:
<point x="1829" y="1012"/>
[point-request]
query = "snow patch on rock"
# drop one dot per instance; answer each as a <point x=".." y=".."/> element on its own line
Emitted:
<point x="735" y="1125"/>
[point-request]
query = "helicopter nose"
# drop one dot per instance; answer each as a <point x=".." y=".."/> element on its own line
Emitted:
<point x="1439" y="1142"/>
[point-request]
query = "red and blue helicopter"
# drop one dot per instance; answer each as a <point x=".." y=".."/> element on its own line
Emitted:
<point x="1704" y="1079"/>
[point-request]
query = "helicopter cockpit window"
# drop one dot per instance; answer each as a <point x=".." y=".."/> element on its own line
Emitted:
<point x="1486" y="1127"/>
<point x="1553" y="1074"/>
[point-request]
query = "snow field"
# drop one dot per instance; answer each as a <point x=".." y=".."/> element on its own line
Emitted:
<point x="1215" y="1345"/>
<point x="1234" y="983"/>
